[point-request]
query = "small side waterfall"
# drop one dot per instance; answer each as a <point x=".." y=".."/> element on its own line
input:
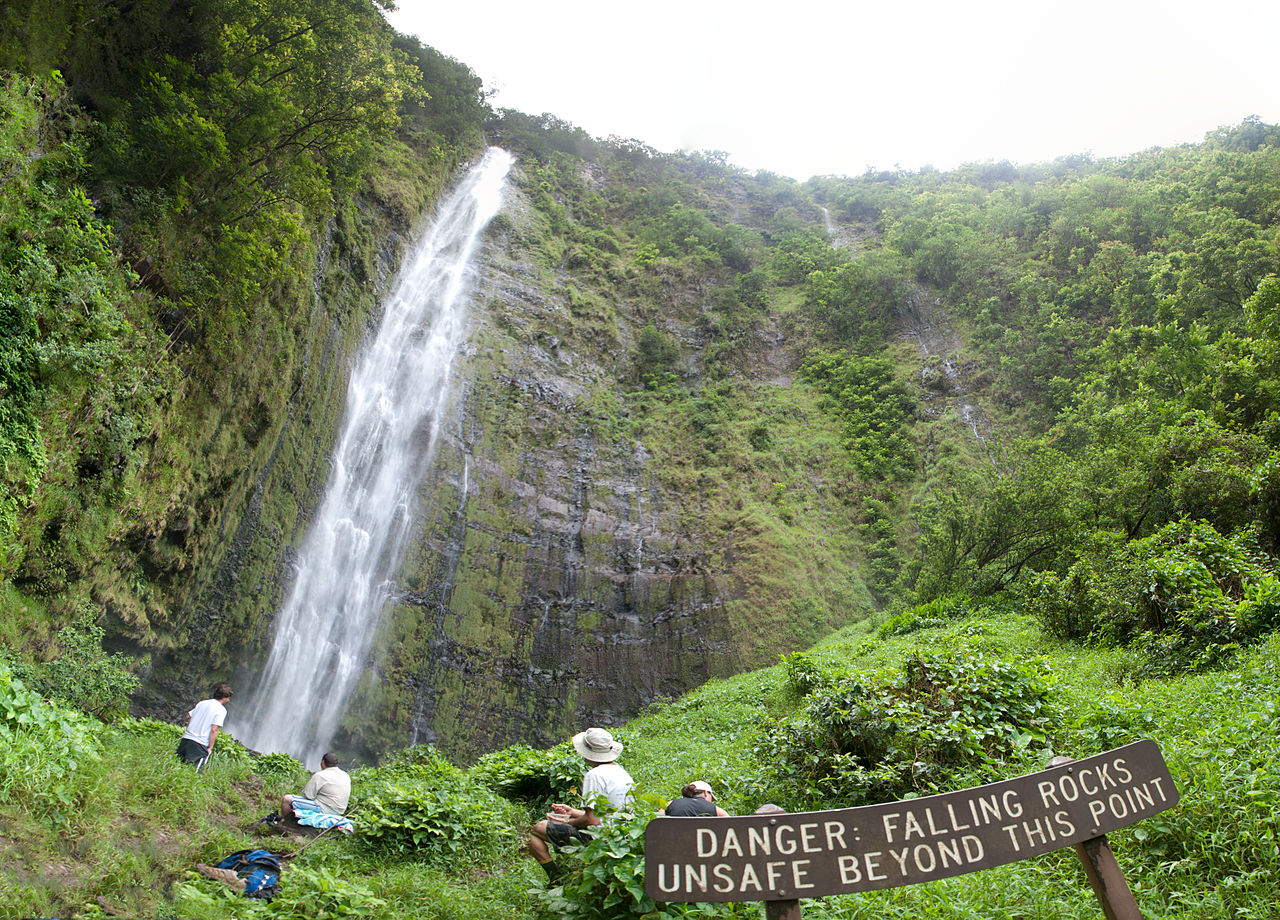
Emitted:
<point x="398" y="390"/>
<point x="829" y="223"/>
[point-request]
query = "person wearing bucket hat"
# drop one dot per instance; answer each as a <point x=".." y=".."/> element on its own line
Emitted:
<point x="696" y="801"/>
<point x="606" y="786"/>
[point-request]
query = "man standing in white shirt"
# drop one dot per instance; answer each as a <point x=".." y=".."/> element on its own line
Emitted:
<point x="206" y="720"/>
<point x="606" y="786"/>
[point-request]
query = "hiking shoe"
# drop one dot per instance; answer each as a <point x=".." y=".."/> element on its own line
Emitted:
<point x="226" y="876"/>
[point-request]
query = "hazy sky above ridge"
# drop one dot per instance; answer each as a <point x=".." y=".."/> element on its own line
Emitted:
<point x="812" y="87"/>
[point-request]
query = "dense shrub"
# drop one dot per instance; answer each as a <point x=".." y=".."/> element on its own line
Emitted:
<point x="804" y="675"/>
<point x="937" y="612"/>
<point x="941" y="721"/>
<point x="1186" y="596"/>
<point x="142" y="728"/>
<point x="656" y="358"/>
<point x="278" y="768"/>
<point x="873" y="406"/>
<point x="605" y="879"/>
<point x="421" y="805"/>
<point x="311" y="892"/>
<point x="534" y="777"/>
<point x="42" y="747"/>
<point x="83" y="675"/>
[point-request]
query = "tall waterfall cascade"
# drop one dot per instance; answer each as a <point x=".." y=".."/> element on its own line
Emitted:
<point x="348" y="560"/>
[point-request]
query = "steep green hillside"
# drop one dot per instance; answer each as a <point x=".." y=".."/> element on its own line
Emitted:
<point x="693" y="421"/>
<point x="637" y="493"/>
<point x="198" y="217"/>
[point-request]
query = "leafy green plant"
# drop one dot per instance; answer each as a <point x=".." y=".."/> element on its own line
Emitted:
<point x="1186" y="596"/>
<point x="277" y="768"/>
<point x="423" y="806"/>
<point x="149" y="728"/>
<point x="84" y="675"/>
<point x="657" y="354"/>
<point x="42" y="748"/>
<point x="321" y="892"/>
<point x="937" y="612"/>
<point x="873" y="406"/>
<point x="604" y="880"/>
<point x="939" y="719"/>
<point x="535" y="777"/>
<point x="805" y="673"/>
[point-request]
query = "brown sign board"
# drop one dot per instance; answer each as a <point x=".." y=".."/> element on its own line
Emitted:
<point x="817" y="853"/>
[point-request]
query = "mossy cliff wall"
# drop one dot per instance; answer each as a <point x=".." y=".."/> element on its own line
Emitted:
<point x="571" y="565"/>
<point x="226" y="554"/>
<point x="585" y="545"/>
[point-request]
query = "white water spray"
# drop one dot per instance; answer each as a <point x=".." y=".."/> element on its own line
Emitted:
<point x="398" y="391"/>
<point x="829" y="223"/>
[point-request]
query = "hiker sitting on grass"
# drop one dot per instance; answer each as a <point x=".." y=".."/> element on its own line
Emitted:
<point x="327" y="791"/>
<point x="605" y="780"/>
<point x="696" y="801"/>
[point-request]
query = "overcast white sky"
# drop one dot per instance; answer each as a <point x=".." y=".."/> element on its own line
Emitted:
<point x="805" y="87"/>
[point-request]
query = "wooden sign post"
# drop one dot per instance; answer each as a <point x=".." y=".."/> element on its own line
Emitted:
<point x="782" y="858"/>
<point x="1103" y="872"/>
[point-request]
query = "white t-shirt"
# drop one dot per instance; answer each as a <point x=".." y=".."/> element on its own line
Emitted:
<point x="609" y="780"/>
<point x="205" y="715"/>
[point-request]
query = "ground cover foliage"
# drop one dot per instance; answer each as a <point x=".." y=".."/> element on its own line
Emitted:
<point x="101" y="817"/>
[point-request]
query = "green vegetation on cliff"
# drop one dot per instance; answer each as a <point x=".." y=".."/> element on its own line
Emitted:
<point x="198" y="212"/>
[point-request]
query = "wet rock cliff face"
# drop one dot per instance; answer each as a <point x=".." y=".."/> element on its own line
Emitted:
<point x="555" y="581"/>
<point x="242" y="532"/>
<point x="574" y="559"/>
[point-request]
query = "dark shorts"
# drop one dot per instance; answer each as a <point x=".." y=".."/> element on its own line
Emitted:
<point x="191" y="751"/>
<point x="562" y="834"/>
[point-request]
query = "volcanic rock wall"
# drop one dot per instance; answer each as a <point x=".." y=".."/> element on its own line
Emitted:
<point x="554" y="582"/>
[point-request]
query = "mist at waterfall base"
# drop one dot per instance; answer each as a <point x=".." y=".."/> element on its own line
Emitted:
<point x="348" y="560"/>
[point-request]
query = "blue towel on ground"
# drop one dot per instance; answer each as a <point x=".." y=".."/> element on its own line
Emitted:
<point x="323" y="820"/>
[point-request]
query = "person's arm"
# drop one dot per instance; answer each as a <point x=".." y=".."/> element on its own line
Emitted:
<point x="578" y="817"/>
<point x="213" y="736"/>
<point x="721" y="813"/>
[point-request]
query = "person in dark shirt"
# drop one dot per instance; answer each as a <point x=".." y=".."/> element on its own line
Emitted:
<point x="696" y="801"/>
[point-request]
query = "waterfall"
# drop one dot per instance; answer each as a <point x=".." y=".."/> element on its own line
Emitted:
<point x="829" y="223"/>
<point x="350" y="555"/>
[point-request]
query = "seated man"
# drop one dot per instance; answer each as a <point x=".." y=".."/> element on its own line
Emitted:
<point x="696" y="801"/>
<point x="327" y="791"/>
<point x="605" y="785"/>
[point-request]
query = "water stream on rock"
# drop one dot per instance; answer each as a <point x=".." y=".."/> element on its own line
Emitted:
<point x="349" y="558"/>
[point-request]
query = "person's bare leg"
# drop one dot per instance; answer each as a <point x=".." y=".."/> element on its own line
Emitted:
<point x="540" y="848"/>
<point x="537" y="843"/>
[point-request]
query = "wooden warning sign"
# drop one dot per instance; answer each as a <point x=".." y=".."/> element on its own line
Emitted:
<point x="812" y="854"/>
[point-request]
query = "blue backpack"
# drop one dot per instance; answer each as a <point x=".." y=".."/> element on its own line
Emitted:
<point x="260" y="870"/>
